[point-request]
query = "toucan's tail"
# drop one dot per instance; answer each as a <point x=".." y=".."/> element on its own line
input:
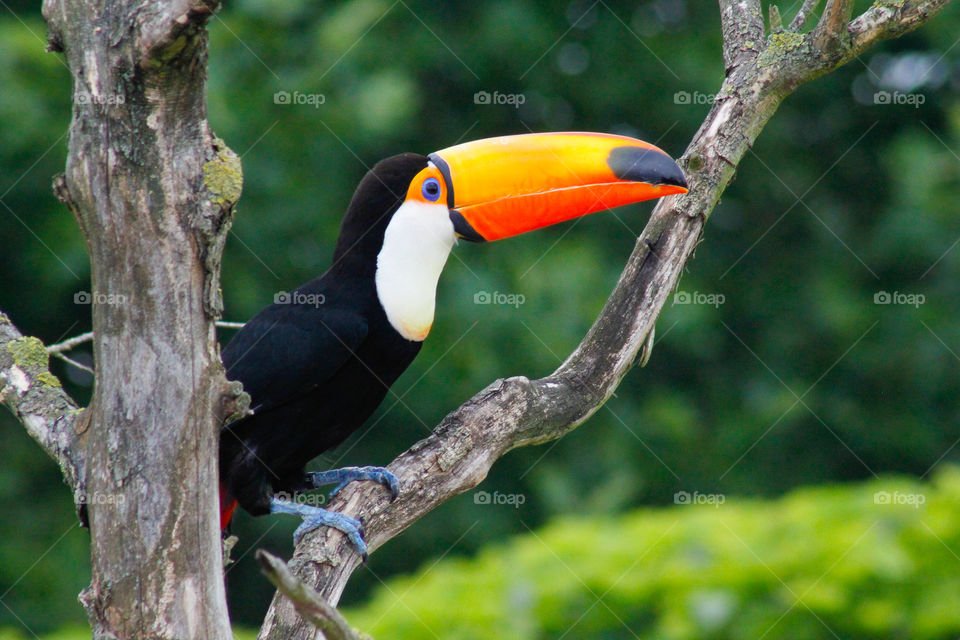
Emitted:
<point x="227" y="504"/>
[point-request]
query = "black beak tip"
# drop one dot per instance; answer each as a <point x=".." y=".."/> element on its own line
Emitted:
<point x="645" y="165"/>
<point x="674" y="177"/>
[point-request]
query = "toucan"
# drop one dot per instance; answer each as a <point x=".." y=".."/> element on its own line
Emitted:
<point x="318" y="362"/>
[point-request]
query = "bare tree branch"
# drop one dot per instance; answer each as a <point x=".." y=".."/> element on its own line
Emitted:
<point x="70" y="343"/>
<point x="791" y="59"/>
<point x="37" y="399"/>
<point x="57" y="350"/>
<point x="516" y="411"/>
<point x="800" y="20"/>
<point x="776" y="22"/>
<point x="307" y="602"/>
<point x="83" y="338"/>
<point x="886" y="20"/>
<point x="831" y="30"/>
<point x="73" y="363"/>
<point x="742" y="25"/>
<point x="169" y="25"/>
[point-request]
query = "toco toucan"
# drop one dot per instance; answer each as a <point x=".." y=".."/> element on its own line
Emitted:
<point x="318" y="362"/>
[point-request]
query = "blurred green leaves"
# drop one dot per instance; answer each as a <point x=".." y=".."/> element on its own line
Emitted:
<point x="874" y="560"/>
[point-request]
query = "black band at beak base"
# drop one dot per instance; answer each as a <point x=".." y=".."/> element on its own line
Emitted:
<point x="463" y="229"/>
<point x="444" y="168"/>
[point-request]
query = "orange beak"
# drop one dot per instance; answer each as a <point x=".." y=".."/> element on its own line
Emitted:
<point x="501" y="187"/>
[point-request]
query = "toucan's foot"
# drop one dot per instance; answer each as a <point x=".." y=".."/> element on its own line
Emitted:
<point x="315" y="517"/>
<point x="347" y="475"/>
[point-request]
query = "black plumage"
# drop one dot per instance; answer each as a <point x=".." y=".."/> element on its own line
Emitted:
<point x="318" y="365"/>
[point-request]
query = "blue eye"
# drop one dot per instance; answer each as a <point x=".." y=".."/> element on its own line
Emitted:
<point x="431" y="189"/>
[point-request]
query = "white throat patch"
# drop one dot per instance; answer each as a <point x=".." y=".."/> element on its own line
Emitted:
<point x="416" y="244"/>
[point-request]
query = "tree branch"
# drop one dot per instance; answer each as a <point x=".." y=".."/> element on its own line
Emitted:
<point x="800" y="20"/>
<point x="742" y="25"/>
<point x="83" y="338"/>
<point x="516" y="411"/>
<point x="167" y="26"/>
<point x="831" y="30"/>
<point x="776" y="22"/>
<point x="886" y="20"/>
<point x="57" y="350"/>
<point x="307" y="602"/>
<point x="37" y="399"/>
<point x="72" y="362"/>
<point x="70" y="343"/>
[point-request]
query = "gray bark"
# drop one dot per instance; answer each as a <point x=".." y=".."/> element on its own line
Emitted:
<point x="152" y="191"/>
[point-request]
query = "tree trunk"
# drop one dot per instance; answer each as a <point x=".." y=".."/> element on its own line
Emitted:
<point x="152" y="191"/>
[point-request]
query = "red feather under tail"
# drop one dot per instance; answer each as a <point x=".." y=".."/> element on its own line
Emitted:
<point x="227" y="504"/>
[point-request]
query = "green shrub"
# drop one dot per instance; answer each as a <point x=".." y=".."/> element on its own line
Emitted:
<point x="852" y="561"/>
<point x="873" y="560"/>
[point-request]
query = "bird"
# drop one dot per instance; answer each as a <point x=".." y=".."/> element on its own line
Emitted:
<point x="318" y="361"/>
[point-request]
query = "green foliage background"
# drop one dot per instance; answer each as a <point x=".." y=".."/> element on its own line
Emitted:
<point x="797" y="378"/>
<point x="872" y="560"/>
<point x="820" y="563"/>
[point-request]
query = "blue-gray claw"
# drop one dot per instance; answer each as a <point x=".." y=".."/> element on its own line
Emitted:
<point x="315" y="517"/>
<point x="346" y="475"/>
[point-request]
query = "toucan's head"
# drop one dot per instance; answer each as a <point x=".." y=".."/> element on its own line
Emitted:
<point x="409" y="209"/>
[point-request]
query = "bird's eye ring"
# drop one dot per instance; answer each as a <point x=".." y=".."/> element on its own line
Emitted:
<point x="431" y="189"/>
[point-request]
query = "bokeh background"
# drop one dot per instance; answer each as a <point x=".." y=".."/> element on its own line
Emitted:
<point x="813" y="339"/>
